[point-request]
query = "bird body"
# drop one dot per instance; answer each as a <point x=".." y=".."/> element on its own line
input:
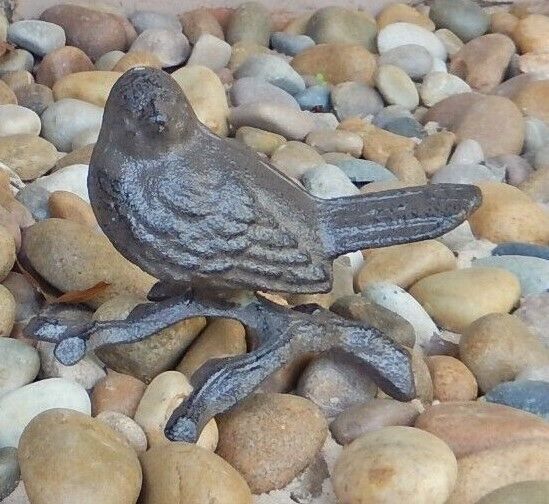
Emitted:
<point x="194" y="209"/>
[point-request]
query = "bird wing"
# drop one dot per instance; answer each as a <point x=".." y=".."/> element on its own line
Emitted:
<point x="214" y="227"/>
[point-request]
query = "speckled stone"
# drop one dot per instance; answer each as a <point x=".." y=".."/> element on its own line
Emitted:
<point x="259" y="436"/>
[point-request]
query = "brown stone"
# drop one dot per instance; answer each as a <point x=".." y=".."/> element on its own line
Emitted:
<point x="473" y="426"/>
<point x="407" y="168"/>
<point x="93" y="87"/>
<point x="221" y="338"/>
<point x="117" y="392"/>
<point x="395" y="464"/>
<point x="63" y="61"/>
<point x="533" y="99"/>
<point x="93" y="31"/>
<point x="508" y="214"/>
<point x="482" y="62"/>
<point x="165" y="393"/>
<point x="66" y="456"/>
<point x="452" y="380"/>
<point x="147" y="358"/>
<point x="18" y="78"/>
<point x="181" y="473"/>
<point x="379" y="144"/>
<point x="81" y="155"/>
<point x="375" y="414"/>
<point x="67" y="205"/>
<point x="481" y="473"/>
<point x="198" y="22"/>
<point x="260" y="435"/>
<point x="29" y="155"/>
<point x="337" y="63"/>
<point x="455" y="299"/>
<point x="503" y="22"/>
<point x="495" y="123"/>
<point x="449" y="112"/>
<point x="137" y="58"/>
<point x="36" y="97"/>
<point x="404" y="265"/>
<point x="434" y="150"/>
<point x="6" y="94"/>
<point x="530" y="34"/>
<point x="402" y="13"/>
<point x="72" y="256"/>
<point x="497" y="347"/>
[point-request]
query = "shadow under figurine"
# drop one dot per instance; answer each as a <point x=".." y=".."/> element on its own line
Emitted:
<point x="208" y="218"/>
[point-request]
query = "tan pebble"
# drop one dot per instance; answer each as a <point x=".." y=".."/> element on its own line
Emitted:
<point x="206" y="95"/>
<point x="379" y="144"/>
<point x="66" y="456"/>
<point x="434" y="150"/>
<point x="258" y="438"/>
<point x="402" y="13"/>
<point x="29" y="156"/>
<point x="147" y="358"/>
<point x="533" y="99"/>
<point x="136" y="59"/>
<point x="404" y="265"/>
<point x="335" y="141"/>
<point x="455" y="299"/>
<point x="483" y="61"/>
<point x="126" y="427"/>
<point x="77" y="156"/>
<point x="72" y="256"/>
<point x="473" y="426"/>
<point x="7" y="252"/>
<point x="530" y="34"/>
<point x="242" y="51"/>
<point x="221" y="338"/>
<point x="298" y="25"/>
<point x="67" y="205"/>
<point x="395" y="464"/>
<point x="295" y="158"/>
<point x="374" y="415"/>
<point x="18" y="78"/>
<point x="503" y="22"/>
<point x="6" y="94"/>
<point x="63" y="61"/>
<point x="452" y="380"/>
<point x="92" y="87"/>
<point x="508" y="214"/>
<point x="260" y="140"/>
<point x="337" y="63"/>
<point x="7" y="311"/>
<point x="406" y="168"/>
<point x="497" y="347"/>
<point x="198" y="22"/>
<point x="161" y="397"/>
<point x="481" y="473"/>
<point x="182" y="473"/>
<point x="117" y="392"/>
<point x="422" y="377"/>
<point x="536" y="64"/>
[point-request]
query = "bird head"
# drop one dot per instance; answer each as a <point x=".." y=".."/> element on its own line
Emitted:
<point x="146" y="105"/>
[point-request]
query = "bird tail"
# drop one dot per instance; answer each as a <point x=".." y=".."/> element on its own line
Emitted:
<point x="394" y="217"/>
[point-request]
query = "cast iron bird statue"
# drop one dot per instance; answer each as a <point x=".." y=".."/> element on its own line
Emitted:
<point x="206" y="216"/>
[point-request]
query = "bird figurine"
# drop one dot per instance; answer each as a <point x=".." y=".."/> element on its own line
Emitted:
<point x="210" y="219"/>
<point x="195" y="210"/>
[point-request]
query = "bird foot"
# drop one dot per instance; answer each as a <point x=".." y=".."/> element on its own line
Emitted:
<point x="283" y="334"/>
